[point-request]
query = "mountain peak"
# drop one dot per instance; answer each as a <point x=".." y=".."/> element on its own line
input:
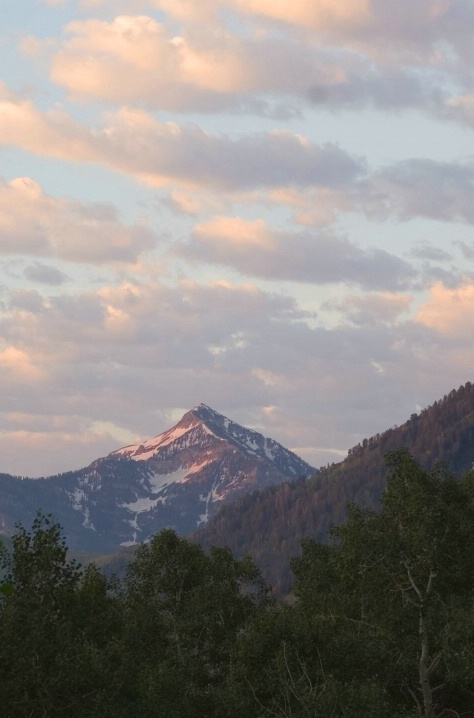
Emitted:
<point x="200" y="419"/>
<point x="212" y="419"/>
<point x="217" y="423"/>
<point x="179" y="478"/>
<point x="203" y="407"/>
<point x="204" y="413"/>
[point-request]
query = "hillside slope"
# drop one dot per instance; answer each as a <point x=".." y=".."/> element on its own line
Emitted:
<point x="269" y="525"/>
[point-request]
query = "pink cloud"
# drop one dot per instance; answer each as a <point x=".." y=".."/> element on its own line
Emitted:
<point x="449" y="312"/>
<point x="136" y="59"/>
<point x="133" y="142"/>
<point x="255" y="249"/>
<point x="34" y="223"/>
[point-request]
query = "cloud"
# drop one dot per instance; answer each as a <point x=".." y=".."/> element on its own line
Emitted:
<point x="406" y="190"/>
<point x="378" y="27"/>
<point x="467" y="250"/>
<point x="320" y="258"/>
<point x="135" y="59"/>
<point x="264" y="169"/>
<point x="59" y="450"/>
<point x="421" y="188"/>
<point x="449" y="312"/>
<point x="135" y="143"/>
<point x="45" y="274"/>
<point x="320" y="14"/>
<point x="138" y="351"/>
<point x="81" y="368"/>
<point x="34" y="223"/>
<point x="192" y="202"/>
<point x="18" y="366"/>
<point x="432" y="30"/>
<point x="424" y="250"/>
<point x="386" y="54"/>
<point x="132" y="349"/>
<point x="412" y="189"/>
<point x="148" y="321"/>
<point x="361" y="85"/>
<point x="375" y="307"/>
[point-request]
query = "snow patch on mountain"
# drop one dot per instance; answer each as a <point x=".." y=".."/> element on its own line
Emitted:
<point x="147" y="450"/>
<point x="79" y="501"/>
<point x="268" y="450"/>
<point x="141" y="504"/>
<point x="211" y="496"/>
<point x="177" y="479"/>
<point x="159" y="481"/>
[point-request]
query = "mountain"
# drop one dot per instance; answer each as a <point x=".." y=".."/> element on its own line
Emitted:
<point x="178" y="479"/>
<point x="270" y="525"/>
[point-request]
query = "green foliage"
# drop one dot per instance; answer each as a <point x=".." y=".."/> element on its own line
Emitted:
<point x="382" y="622"/>
<point x="46" y="645"/>
<point x="403" y="577"/>
<point x="291" y="663"/>
<point x="184" y="611"/>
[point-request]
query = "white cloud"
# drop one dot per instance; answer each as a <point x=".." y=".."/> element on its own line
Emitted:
<point x="86" y="358"/>
<point x="52" y="447"/>
<point x="386" y="54"/>
<point x="428" y="30"/>
<point x="135" y="143"/>
<point x="319" y="257"/>
<point x="135" y="352"/>
<point x="379" y="27"/>
<point x="449" y="312"/>
<point x="34" y="223"/>
<point x="136" y="59"/>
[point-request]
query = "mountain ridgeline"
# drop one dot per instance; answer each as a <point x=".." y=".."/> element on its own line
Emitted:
<point x="225" y="485"/>
<point x="269" y="525"/>
<point x="178" y="479"/>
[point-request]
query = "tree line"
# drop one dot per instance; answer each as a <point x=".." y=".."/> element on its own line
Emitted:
<point x="270" y="524"/>
<point x="380" y="621"/>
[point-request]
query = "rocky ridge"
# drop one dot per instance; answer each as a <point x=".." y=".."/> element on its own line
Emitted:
<point x="178" y="479"/>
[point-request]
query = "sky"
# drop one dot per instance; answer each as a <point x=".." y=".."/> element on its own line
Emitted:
<point x="263" y="205"/>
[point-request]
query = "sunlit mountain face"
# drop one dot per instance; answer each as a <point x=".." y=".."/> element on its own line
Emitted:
<point x="177" y="479"/>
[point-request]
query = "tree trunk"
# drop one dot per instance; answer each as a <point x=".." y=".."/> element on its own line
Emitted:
<point x="423" y="669"/>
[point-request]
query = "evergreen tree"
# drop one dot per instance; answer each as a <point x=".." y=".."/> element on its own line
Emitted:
<point x="398" y="577"/>
<point x="50" y="639"/>
<point x="184" y="609"/>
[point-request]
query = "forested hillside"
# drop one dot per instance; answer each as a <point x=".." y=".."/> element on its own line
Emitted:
<point x="270" y="525"/>
<point x="382" y="623"/>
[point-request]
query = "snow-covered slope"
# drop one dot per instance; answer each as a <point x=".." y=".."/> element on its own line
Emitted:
<point x="179" y="478"/>
<point x="202" y="422"/>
